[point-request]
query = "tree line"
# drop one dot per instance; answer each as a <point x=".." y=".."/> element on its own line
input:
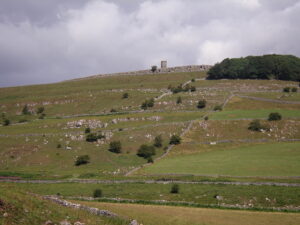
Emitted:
<point x="280" y="67"/>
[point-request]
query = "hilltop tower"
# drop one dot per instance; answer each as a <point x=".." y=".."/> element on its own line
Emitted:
<point x="164" y="64"/>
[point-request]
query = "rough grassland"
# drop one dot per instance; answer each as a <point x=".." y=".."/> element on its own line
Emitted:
<point x="170" y="215"/>
<point x="24" y="209"/>
<point x="277" y="159"/>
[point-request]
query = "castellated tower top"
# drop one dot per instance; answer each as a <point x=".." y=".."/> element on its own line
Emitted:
<point x="164" y="64"/>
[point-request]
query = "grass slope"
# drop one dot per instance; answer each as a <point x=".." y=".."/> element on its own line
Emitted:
<point x="276" y="159"/>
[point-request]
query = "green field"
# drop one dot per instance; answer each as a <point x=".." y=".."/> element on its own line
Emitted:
<point x="276" y="159"/>
<point x="168" y="215"/>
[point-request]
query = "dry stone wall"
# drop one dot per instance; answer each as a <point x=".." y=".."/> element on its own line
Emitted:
<point x="177" y="69"/>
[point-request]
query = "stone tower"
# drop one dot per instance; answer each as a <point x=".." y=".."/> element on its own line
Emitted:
<point x="164" y="64"/>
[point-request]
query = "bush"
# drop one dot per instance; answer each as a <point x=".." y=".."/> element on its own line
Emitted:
<point x="115" y="147"/>
<point x="58" y="146"/>
<point x="25" y="110"/>
<point x="193" y="89"/>
<point x="158" y="141"/>
<point x="179" y="100"/>
<point x="147" y="104"/>
<point x="92" y="137"/>
<point x="146" y="151"/>
<point x="97" y="193"/>
<point x="125" y="95"/>
<point x="294" y="89"/>
<point x="255" y="125"/>
<point x="175" y="140"/>
<point x="218" y="108"/>
<point x="175" y="189"/>
<point x="113" y="110"/>
<point x="206" y="118"/>
<point x="150" y="160"/>
<point x="81" y="160"/>
<point x="201" y="104"/>
<point x="286" y="89"/>
<point x="23" y="121"/>
<point x="87" y="130"/>
<point x="193" y="80"/>
<point x="42" y="116"/>
<point x="6" y="122"/>
<point x="40" y="110"/>
<point x="274" y="116"/>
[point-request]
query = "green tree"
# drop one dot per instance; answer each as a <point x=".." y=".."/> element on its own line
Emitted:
<point x="175" y="189"/>
<point x="158" y="141"/>
<point x="115" y="147"/>
<point x="81" y="160"/>
<point x="175" y="140"/>
<point x="146" y="151"/>
<point x="201" y="104"/>
<point x="25" y="110"/>
<point x="153" y="68"/>
<point x="274" y="116"/>
<point x="286" y="89"/>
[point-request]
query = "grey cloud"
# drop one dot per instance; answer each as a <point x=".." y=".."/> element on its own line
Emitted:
<point x="53" y="40"/>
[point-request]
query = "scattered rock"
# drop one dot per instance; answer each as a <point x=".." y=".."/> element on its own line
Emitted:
<point x="134" y="222"/>
<point x="5" y="214"/>
<point x="65" y="222"/>
<point x="79" y="223"/>
<point x="48" y="222"/>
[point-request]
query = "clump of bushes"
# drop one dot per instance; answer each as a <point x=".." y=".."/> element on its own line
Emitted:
<point x="174" y="189"/>
<point x="115" y="147"/>
<point x="93" y="137"/>
<point x="274" y="116"/>
<point x="97" y="193"/>
<point x="289" y="89"/>
<point x="175" y="140"/>
<point x="149" y="103"/>
<point x="286" y="89"/>
<point x="180" y="88"/>
<point x="294" y="89"/>
<point x="81" y="160"/>
<point x="201" y="104"/>
<point x="6" y="122"/>
<point x="256" y="125"/>
<point x="146" y="151"/>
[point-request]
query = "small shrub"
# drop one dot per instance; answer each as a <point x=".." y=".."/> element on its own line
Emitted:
<point x="81" y="160"/>
<point x="175" y="140"/>
<point x="113" y="110"/>
<point x="274" y="116"/>
<point x="179" y="100"/>
<point x="175" y="189"/>
<point x="6" y="122"/>
<point x="125" y="95"/>
<point x="147" y="104"/>
<point x="146" y="151"/>
<point x="193" y="80"/>
<point x="58" y="146"/>
<point x="40" y="110"/>
<point x="286" y="89"/>
<point x="25" y="110"/>
<point x="294" y="89"/>
<point x="158" y="141"/>
<point x="23" y="121"/>
<point x="42" y="116"/>
<point x="150" y="160"/>
<point x="255" y="125"/>
<point x="201" y="104"/>
<point x="193" y="89"/>
<point x="92" y="137"/>
<point x="218" y="108"/>
<point x="206" y="118"/>
<point x="97" y="193"/>
<point x="87" y="130"/>
<point x="115" y="147"/>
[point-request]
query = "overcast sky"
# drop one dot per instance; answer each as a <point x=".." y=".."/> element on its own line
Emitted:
<point x="44" y="41"/>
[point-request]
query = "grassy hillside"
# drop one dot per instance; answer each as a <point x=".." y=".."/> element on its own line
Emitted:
<point x="18" y="207"/>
